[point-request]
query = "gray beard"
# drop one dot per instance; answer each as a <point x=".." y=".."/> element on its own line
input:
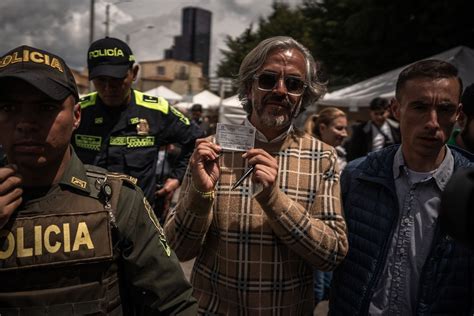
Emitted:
<point x="267" y="120"/>
<point x="274" y="120"/>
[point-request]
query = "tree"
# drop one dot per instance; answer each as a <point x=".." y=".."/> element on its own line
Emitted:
<point x="236" y="50"/>
<point x="283" y="21"/>
<point x="357" y="39"/>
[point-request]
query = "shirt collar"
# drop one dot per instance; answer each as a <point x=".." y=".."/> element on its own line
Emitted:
<point x="398" y="163"/>
<point x="260" y="137"/>
<point x="442" y="174"/>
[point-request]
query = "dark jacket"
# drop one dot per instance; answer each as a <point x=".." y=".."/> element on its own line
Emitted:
<point x="360" y="143"/>
<point x="128" y="141"/>
<point x="120" y="263"/>
<point x="371" y="209"/>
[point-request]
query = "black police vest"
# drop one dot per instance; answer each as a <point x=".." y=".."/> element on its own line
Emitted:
<point x="57" y="254"/>
<point x="128" y="144"/>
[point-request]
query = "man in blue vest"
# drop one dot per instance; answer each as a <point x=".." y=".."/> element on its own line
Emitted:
<point x="122" y="129"/>
<point x="401" y="261"/>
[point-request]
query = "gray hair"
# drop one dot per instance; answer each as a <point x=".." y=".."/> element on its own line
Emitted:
<point x="257" y="57"/>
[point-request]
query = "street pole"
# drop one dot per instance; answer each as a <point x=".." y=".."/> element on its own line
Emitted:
<point x="107" y="19"/>
<point x="91" y="26"/>
<point x="221" y="96"/>
<point x="91" y="32"/>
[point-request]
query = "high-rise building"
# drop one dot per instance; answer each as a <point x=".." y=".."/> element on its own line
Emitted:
<point x="194" y="43"/>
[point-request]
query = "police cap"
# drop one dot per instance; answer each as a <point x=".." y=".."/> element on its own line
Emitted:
<point x="109" y="57"/>
<point x="43" y="70"/>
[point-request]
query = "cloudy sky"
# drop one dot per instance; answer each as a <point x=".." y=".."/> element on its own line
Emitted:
<point x="62" y="26"/>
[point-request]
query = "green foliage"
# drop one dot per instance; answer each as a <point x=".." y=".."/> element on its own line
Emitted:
<point x="283" y="21"/>
<point x="357" y="39"/>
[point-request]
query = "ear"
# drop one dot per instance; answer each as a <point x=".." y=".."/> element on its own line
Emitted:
<point x="322" y="127"/>
<point x="135" y="72"/>
<point x="76" y="116"/>
<point x="395" y="105"/>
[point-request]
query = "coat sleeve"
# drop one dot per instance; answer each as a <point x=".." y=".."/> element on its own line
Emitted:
<point x="187" y="224"/>
<point x="150" y="272"/>
<point x="319" y="233"/>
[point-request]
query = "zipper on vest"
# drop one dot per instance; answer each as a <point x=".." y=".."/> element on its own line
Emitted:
<point x="379" y="268"/>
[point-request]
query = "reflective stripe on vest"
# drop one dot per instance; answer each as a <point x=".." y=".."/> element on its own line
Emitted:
<point x="88" y="100"/>
<point x="151" y="102"/>
<point x="90" y="142"/>
<point x="132" y="141"/>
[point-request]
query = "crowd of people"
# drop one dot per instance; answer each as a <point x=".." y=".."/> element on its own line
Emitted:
<point x="349" y="214"/>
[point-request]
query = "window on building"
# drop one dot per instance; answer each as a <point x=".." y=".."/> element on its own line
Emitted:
<point x="182" y="73"/>
<point x="161" y="70"/>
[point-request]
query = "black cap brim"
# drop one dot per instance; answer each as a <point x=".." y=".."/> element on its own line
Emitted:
<point x="114" y="71"/>
<point x="47" y="85"/>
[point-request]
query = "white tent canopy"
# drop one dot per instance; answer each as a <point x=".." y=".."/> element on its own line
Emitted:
<point x="207" y="99"/>
<point x="164" y="92"/>
<point x="360" y="94"/>
<point x="231" y="111"/>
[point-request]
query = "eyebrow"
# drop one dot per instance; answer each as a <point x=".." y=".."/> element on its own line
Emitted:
<point x="277" y="72"/>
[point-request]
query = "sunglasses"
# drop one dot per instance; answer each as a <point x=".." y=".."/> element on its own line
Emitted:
<point x="268" y="81"/>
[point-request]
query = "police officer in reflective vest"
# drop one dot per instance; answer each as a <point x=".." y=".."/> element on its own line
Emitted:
<point x="122" y="129"/>
<point x="74" y="239"/>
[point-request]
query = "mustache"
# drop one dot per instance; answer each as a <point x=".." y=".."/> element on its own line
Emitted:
<point x="283" y="100"/>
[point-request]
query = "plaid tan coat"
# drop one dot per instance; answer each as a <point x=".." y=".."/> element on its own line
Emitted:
<point x="255" y="256"/>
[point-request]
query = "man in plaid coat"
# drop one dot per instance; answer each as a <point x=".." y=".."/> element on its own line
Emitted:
<point x="256" y="251"/>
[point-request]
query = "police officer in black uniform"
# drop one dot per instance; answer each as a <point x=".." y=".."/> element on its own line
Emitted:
<point x="74" y="239"/>
<point x="122" y="129"/>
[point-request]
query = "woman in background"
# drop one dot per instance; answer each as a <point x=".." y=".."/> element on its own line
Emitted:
<point x="329" y="126"/>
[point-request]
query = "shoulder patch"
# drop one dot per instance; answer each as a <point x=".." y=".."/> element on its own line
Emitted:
<point x="88" y="100"/>
<point x="78" y="182"/>
<point x="180" y="115"/>
<point x="151" y="102"/>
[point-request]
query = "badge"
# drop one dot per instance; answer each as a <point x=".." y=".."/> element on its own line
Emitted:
<point x="142" y="127"/>
<point x="78" y="182"/>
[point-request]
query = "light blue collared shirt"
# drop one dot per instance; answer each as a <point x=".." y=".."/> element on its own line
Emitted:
<point x="419" y="202"/>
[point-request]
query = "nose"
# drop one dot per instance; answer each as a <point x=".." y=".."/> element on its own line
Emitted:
<point x="433" y="122"/>
<point x="108" y="83"/>
<point x="280" y="87"/>
<point x="28" y="122"/>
